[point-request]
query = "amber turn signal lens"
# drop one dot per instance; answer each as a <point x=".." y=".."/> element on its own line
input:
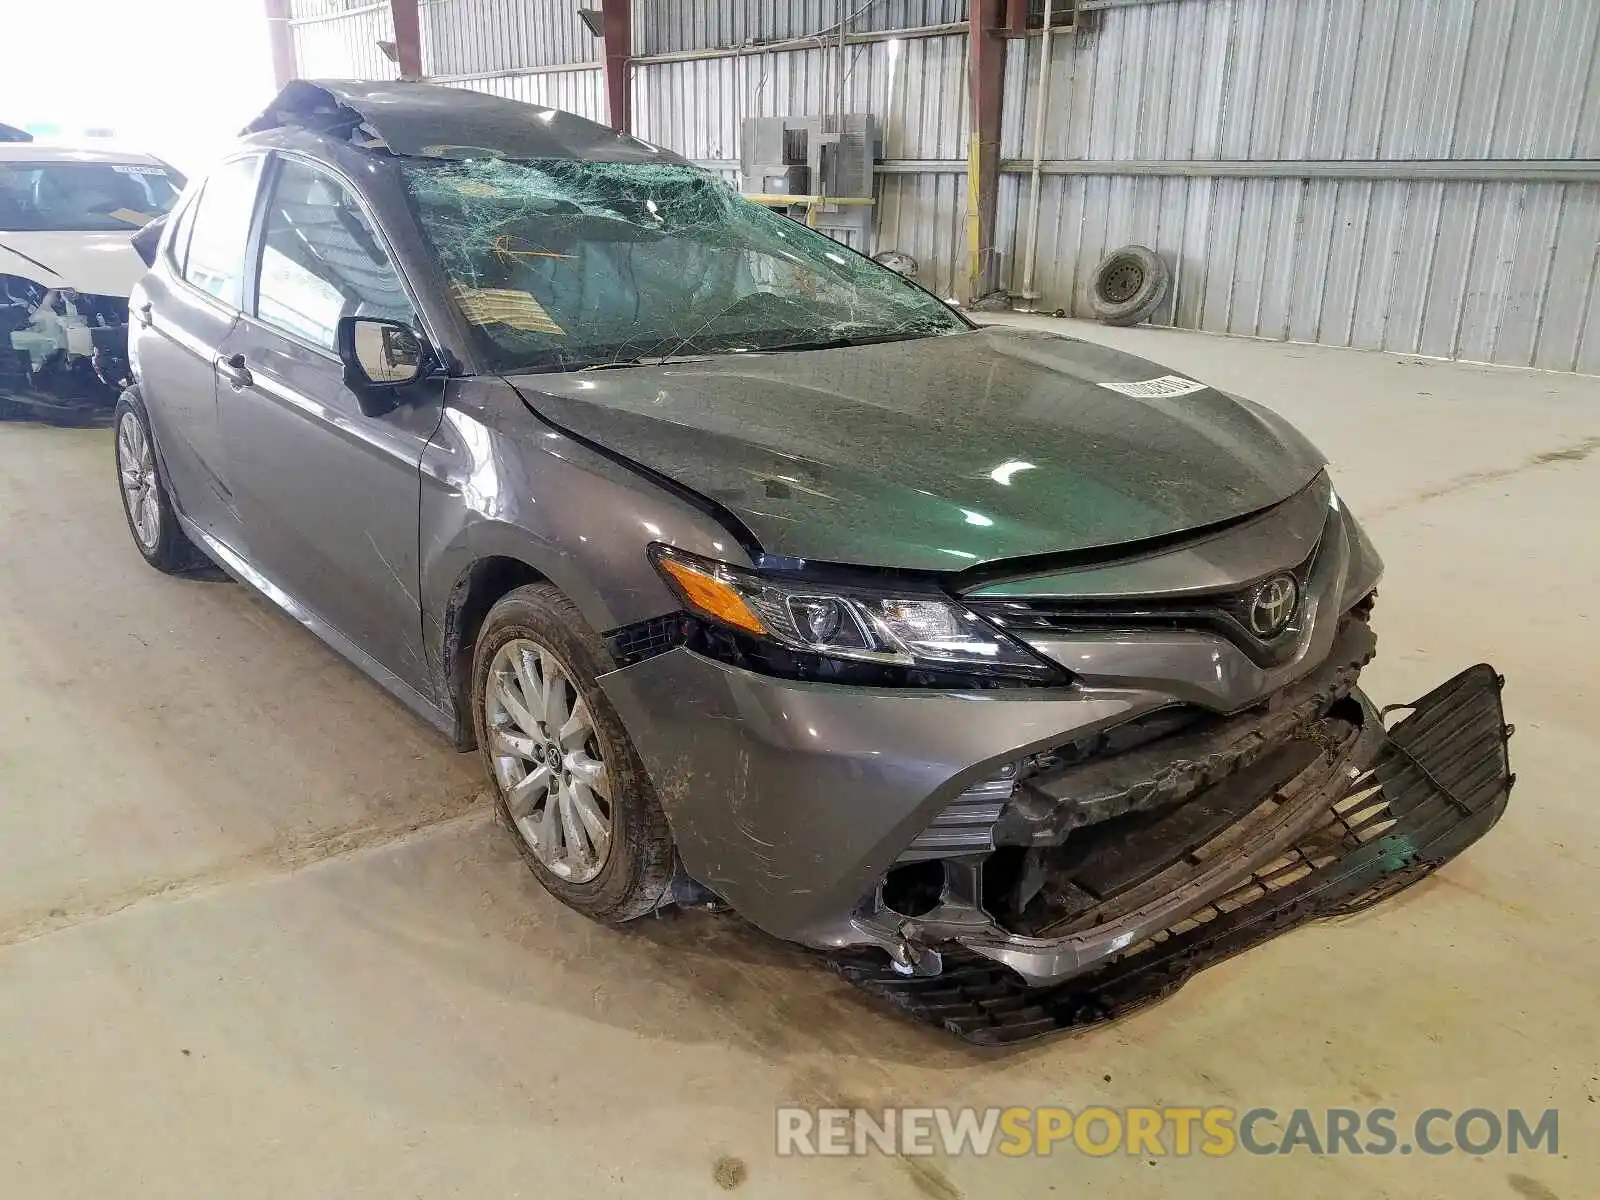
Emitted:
<point x="712" y="596"/>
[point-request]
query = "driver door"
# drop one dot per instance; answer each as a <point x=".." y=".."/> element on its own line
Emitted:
<point x="329" y="497"/>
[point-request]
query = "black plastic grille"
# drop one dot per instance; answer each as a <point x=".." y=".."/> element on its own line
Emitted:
<point x="1440" y="780"/>
<point x="646" y="639"/>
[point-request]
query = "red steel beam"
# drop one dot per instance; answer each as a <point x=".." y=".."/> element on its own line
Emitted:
<point x="281" y="39"/>
<point x="618" y="26"/>
<point x="986" y="78"/>
<point x="407" y="37"/>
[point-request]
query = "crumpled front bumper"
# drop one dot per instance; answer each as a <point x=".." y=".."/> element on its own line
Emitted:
<point x="791" y="801"/>
<point x="1430" y="786"/>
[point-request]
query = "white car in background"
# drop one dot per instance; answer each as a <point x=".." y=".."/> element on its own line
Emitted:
<point x="67" y="265"/>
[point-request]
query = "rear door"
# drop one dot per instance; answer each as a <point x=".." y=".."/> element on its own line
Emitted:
<point x="329" y="497"/>
<point x="186" y="309"/>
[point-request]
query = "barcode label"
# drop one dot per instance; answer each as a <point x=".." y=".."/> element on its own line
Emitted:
<point x="1167" y="385"/>
<point x="136" y="169"/>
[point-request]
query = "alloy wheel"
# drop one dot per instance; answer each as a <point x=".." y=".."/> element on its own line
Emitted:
<point x="548" y="761"/>
<point x="136" y="467"/>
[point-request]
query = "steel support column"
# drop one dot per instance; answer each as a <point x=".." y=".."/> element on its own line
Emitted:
<point x="407" y="37"/>
<point x="986" y="80"/>
<point x="618" y="25"/>
<point x="281" y="38"/>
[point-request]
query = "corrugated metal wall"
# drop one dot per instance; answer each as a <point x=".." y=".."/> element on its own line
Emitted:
<point x="514" y="48"/>
<point x="338" y="39"/>
<point x="668" y="26"/>
<point x="915" y="86"/>
<point x="1497" y="267"/>
<point x="470" y="37"/>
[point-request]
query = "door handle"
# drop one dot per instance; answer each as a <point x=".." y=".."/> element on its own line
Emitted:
<point x="235" y="372"/>
<point x="143" y="312"/>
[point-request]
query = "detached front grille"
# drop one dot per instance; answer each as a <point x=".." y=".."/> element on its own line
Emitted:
<point x="1440" y="780"/>
<point x="1361" y="817"/>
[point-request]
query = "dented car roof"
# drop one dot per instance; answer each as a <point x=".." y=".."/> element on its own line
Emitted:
<point x="424" y="120"/>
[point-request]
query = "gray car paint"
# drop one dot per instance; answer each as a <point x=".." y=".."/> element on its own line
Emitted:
<point x="496" y="482"/>
<point x="436" y="122"/>
<point x="174" y="335"/>
<point x="883" y="454"/>
<point x="789" y="799"/>
<point x="310" y="508"/>
<point x="1207" y="669"/>
<point x="1224" y="561"/>
<point x="792" y="799"/>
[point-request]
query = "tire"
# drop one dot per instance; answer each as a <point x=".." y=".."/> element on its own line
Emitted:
<point x="169" y="549"/>
<point x="633" y="875"/>
<point x="1129" y="285"/>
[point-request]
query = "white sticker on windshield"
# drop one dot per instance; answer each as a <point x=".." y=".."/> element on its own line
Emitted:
<point x="135" y="169"/>
<point x="1167" y="385"/>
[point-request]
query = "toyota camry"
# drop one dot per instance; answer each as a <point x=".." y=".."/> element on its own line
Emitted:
<point x="1016" y="676"/>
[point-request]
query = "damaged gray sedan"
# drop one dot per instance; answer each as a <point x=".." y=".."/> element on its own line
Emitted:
<point x="1017" y="675"/>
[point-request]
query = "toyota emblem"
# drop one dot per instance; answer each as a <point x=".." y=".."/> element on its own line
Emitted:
<point x="1273" y="605"/>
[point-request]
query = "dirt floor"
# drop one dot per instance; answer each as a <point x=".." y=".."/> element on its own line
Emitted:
<point x="260" y="938"/>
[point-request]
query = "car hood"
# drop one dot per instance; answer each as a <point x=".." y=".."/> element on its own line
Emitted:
<point x="101" y="264"/>
<point x="940" y="453"/>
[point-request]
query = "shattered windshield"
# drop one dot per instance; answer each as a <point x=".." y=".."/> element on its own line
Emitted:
<point x="56" y="197"/>
<point x="561" y="264"/>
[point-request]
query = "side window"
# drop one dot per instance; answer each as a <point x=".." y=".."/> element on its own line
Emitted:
<point x="178" y="246"/>
<point x="321" y="261"/>
<point x="220" y="229"/>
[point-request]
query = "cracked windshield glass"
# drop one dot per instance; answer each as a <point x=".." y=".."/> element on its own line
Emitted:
<point x="560" y="264"/>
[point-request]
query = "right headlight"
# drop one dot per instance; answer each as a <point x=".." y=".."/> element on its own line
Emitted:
<point x="892" y="628"/>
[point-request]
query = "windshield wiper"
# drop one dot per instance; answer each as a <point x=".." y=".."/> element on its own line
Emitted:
<point x="643" y="360"/>
<point x="835" y="343"/>
<point x="660" y="360"/>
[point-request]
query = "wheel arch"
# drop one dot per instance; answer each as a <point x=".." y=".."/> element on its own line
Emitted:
<point x="465" y="577"/>
<point x="477" y="588"/>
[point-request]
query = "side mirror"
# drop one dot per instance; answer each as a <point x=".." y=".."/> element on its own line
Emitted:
<point x="379" y="357"/>
<point x="148" y="240"/>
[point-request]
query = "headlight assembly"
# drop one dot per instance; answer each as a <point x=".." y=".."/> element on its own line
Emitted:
<point x="910" y="630"/>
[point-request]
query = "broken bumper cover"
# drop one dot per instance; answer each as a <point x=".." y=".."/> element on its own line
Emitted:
<point x="792" y="801"/>
<point x="1430" y="787"/>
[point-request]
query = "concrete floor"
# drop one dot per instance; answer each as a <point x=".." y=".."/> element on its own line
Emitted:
<point x="259" y="937"/>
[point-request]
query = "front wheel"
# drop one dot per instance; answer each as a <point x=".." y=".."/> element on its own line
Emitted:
<point x="145" y="500"/>
<point x="568" y="783"/>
